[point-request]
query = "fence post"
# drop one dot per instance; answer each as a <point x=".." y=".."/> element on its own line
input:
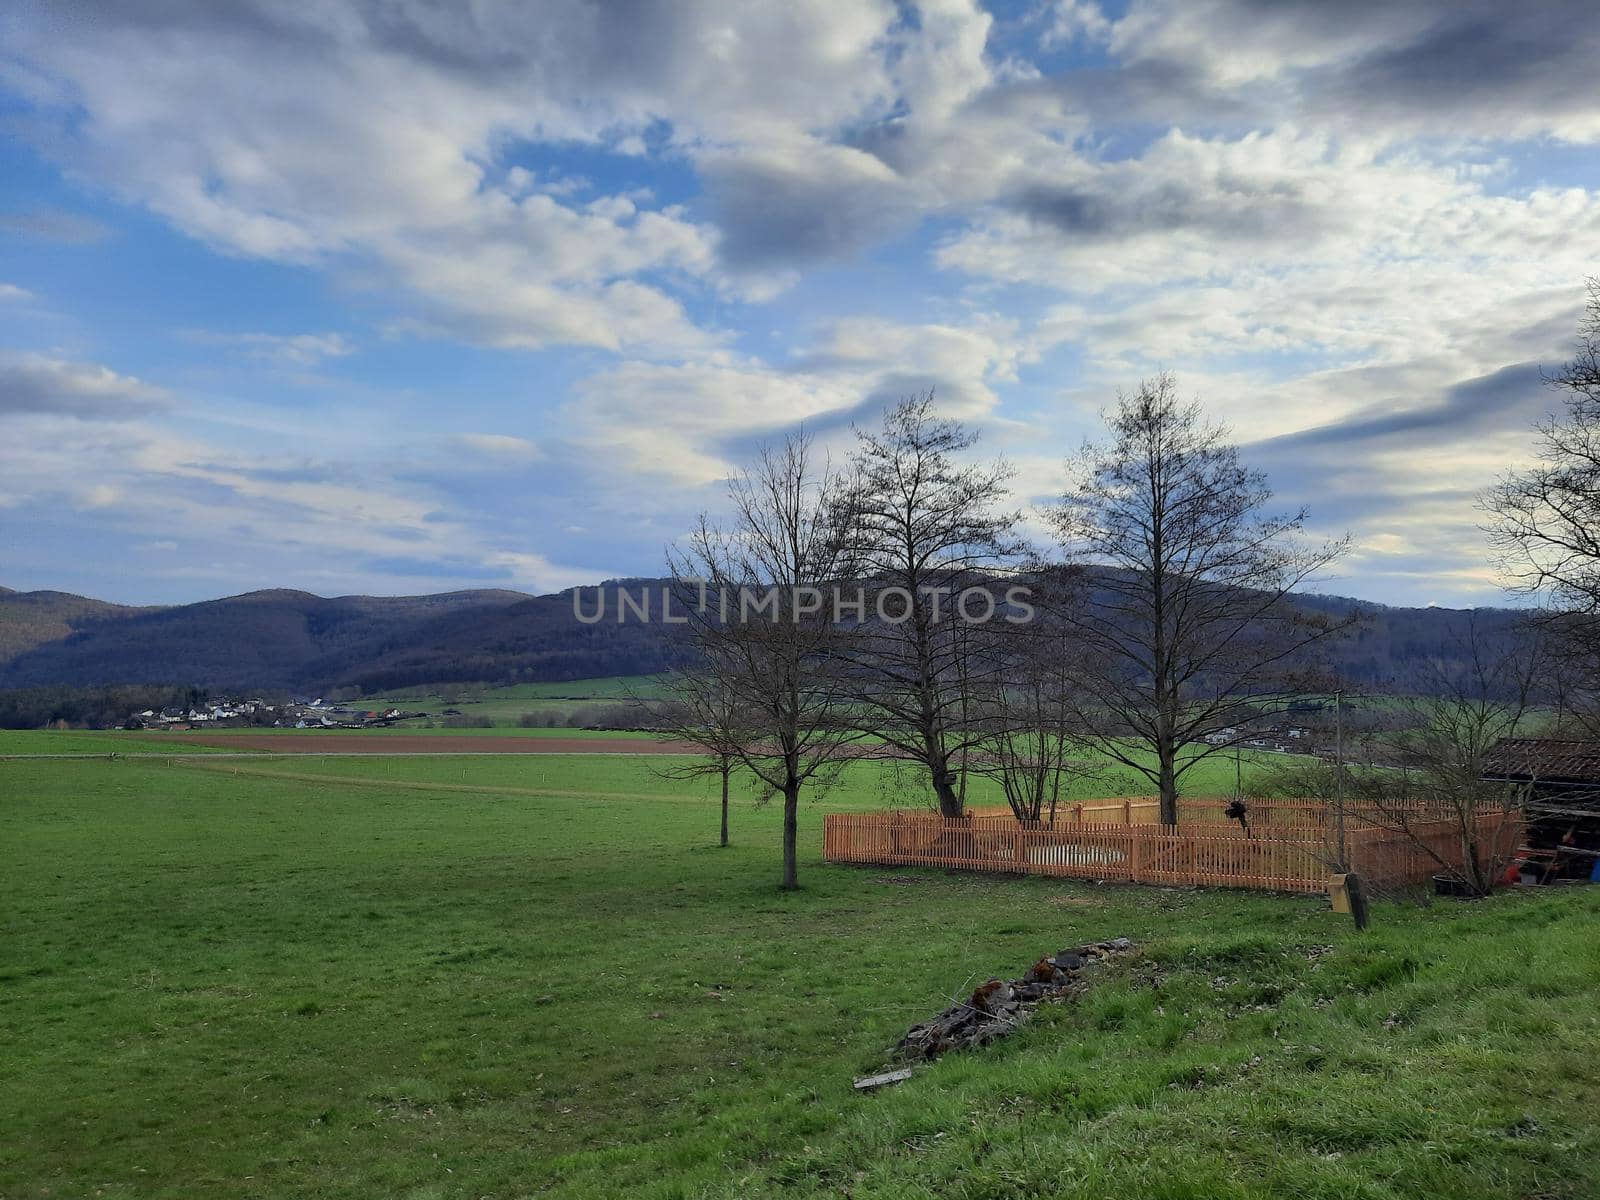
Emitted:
<point x="1135" y="857"/>
<point x="1127" y="812"/>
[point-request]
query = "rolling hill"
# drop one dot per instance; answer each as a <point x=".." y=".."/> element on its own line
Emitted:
<point x="296" y="641"/>
<point x="280" y="639"/>
<point x="32" y="619"/>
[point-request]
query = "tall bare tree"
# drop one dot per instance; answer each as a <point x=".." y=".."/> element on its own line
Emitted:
<point x="927" y="528"/>
<point x="1545" y="521"/>
<point x="756" y="600"/>
<point x="1184" y="624"/>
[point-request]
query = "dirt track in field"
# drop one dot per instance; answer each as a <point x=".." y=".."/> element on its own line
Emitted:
<point x="424" y="743"/>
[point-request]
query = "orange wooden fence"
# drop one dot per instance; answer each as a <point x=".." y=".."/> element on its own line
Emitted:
<point x="1292" y="857"/>
<point x="1146" y="810"/>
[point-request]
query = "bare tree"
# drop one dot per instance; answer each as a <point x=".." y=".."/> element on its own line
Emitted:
<point x="1545" y="521"/>
<point x="927" y="529"/>
<point x="756" y="602"/>
<point x="699" y="708"/>
<point x="1031" y="745"/>
<point x="1424" y="774"/>
<point x="1185" y="624"/>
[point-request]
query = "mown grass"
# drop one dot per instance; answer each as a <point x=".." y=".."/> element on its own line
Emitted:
<point x="241" y="985"/>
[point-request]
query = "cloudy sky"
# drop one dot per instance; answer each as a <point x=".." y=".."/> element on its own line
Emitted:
<point x="376" y="297"/>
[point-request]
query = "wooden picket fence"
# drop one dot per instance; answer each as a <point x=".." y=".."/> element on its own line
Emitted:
<point x="1146" y="810"/>
<point x="1292" y="855"/>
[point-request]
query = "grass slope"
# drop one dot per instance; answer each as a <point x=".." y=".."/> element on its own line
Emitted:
<point x="417" y="985"/>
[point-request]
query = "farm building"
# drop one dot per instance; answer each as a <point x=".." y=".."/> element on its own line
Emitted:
<point x="1562" y="782"/>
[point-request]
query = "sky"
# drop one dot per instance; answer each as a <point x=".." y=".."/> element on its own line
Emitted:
<point x="402" y="297"/>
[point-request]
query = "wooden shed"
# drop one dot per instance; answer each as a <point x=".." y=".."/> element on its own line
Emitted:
<point x="1561" y="779"/>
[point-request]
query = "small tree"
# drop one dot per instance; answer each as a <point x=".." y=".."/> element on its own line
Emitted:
<point x="1425" y="763"/>
<point x="698" y="708"/>
<point x="926" y="528"/>
<point x="1184" y="624"/>
<point x="1031" y="746"/>
<point x="754" y="599"/>
<point x="1545" y="521"/>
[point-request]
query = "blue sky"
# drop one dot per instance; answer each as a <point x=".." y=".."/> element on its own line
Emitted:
<point x="384" y="298"/>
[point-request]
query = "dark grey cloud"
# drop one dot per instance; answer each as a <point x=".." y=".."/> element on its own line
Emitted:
<point x="307" y="472"/>
<point x="33" y="384"/>
<point x="1510" y="398"/>
<point x="1350" y="472"/>
<point x="1495" y="67"/>
<point x="807" y="205"/>
<point x="1457" y="68"/>
<point x="1222" y="206"/>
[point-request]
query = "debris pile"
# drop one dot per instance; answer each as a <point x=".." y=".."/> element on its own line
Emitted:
<point x="999" y="1006"/>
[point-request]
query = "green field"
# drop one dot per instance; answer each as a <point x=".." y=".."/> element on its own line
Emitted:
<point x="106" y="741"/>
<point x="505" y="705"/>
<point x="539" y="976"/>
<point x="610" y="687"/>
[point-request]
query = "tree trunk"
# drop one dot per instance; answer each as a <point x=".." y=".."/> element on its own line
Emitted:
<point x="1473" y="871"/>
<point x="1169" y="785"/>
<point x="791" y="821"/>
<point x="944" y="788"/>
<point x="726" y="768"/>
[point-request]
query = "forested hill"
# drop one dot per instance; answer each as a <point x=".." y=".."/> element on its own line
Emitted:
<point x="289" y="640"/>
<point x="29" y="619"/>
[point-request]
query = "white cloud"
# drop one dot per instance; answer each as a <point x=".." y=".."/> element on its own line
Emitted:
<point x="500" y="447"/>
<point x="274" y="516"/>
<point x="295" y="349"/>
<point x="332" y="134"/>
<point x="694" y="422"/>
<point x="536" y="573"/>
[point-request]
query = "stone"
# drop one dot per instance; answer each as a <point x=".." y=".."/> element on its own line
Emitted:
<point x="998" y="1006"/>
<point x="868" y="1083"/>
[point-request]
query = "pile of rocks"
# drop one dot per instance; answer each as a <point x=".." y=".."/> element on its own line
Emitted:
<point x="999" y="1006"/>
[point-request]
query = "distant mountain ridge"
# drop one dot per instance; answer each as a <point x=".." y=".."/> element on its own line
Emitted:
<point x="286" y="640"/>
<point x="289" y="640"/>
<point x="32" y="619"/>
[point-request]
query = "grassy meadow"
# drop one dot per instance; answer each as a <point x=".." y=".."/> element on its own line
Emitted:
<point x="534" y="976"/>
